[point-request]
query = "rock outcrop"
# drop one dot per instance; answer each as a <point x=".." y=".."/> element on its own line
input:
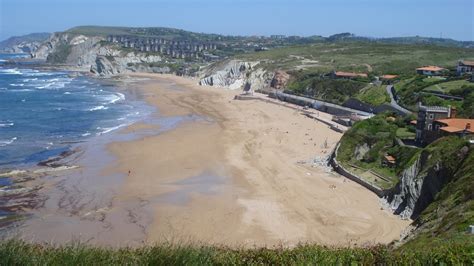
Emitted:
<point x="420" y="182"/>
<point x="238" y="74"/>
<point x="23" y="44"/>
<point x="69" y="49"/>
<point x="280" y="79"/>
<point x="91" y="53"/>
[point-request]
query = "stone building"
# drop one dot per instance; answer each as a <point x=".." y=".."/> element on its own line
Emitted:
<point x="424" y="123"/>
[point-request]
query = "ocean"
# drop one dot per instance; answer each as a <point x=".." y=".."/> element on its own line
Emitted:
<point x="43" y="113"/>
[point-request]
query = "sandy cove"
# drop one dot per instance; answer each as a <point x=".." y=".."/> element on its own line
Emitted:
<point x="231" y="176"/>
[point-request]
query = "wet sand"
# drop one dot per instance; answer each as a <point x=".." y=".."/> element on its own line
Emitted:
<point x="227" y="172"/>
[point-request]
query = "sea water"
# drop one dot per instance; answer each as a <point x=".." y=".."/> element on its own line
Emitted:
<point x="43" y="112"/>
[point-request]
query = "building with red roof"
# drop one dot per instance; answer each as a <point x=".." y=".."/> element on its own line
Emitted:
<point x="430" y="70"/>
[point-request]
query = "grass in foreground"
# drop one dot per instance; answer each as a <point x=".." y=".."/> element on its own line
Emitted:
<point x="19" y="253"/>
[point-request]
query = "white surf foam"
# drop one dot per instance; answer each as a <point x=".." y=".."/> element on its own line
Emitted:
<point x="7" y="142"/>
<point x="100" y="107"/>
<point x="6" y="124"/>
<point x="110" y="129"/>
<point x="10" y="71"/>
<point x="113" y="98"/>
<point x="21" y="90"/>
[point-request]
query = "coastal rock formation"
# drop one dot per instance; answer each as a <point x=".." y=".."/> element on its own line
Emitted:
<point x="69" y="49"/>
<point x="90" y="53"/>
<point x="110" y="62"/>
<point x="407" y="192"/>
<point x="23" y="44"/>
<point x="237" y="74"/>
<point x="230" y="74"/>
<point x="433" y="168"/>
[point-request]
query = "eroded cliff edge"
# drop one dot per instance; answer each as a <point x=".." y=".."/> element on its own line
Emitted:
<point x="92" y="53"/>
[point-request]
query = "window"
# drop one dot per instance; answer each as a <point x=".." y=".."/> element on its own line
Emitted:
<point x="431" y="116"/>
<point x="430" y="126"/>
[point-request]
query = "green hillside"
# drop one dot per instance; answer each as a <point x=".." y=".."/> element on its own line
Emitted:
<point x="377" y="58"/>
<point x="161" y="32"/>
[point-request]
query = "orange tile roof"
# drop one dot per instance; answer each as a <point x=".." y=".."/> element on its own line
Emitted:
<point x="350" y="74"/>
<point x="389" y="76"/>
<point x="413" y="122"/>
<point x="390" y="158"/>
<point x="468" y="63"/>
<point x="458" y="123"/>
<point x="451" y="129"/>
<point x="430" y="68"/>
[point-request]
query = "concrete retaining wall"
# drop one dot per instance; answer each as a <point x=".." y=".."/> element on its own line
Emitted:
<point x="344" y="172"/>
<point x="325" y="107"/>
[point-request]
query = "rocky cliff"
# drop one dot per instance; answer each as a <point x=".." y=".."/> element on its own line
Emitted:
<point x="238" y="74"/>
<point x="92" y="53"/>
<point x="427" y="174"/>
<point x="23" y="44"/>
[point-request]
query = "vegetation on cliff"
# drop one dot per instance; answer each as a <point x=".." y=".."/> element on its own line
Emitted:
<point x="448" y="217"/>
<point x="363" y="147"/>
<point x="443" y="200"/>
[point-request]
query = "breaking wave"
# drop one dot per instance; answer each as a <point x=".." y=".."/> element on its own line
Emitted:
<point x="7" y="142"/>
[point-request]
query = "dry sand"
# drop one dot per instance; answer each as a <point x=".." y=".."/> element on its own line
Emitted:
<point x="231" y="176"/>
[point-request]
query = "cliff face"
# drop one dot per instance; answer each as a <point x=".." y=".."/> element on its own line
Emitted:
<point x="69" y="49"/>
<point x="23" y="44"/>
<point x="90" y="53"/>
<point x="433" y="168"/>
<point x="237" y="74"/>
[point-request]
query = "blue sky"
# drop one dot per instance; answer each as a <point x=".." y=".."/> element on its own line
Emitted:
<point x="376" y="18"/>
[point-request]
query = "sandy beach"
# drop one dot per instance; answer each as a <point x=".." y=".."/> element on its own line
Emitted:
<point x="232" y="176"/>
<point x="226" y="172"/>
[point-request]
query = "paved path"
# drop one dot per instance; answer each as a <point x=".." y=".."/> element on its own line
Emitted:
<point x="394" y="103"/>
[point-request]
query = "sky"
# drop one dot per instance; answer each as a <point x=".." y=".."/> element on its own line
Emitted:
<point x="371" y="18"/>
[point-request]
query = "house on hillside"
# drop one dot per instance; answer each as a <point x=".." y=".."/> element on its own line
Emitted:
<point x="454" y="126"/>
<point x="388" y="78"/>
<point x="430" y="70"/>
<point x="348" y="75"/>
<point x="434" y="122"/>
<point x="465" y="67"/>
<point x="424" y="123"/>
<point x="389" y="161"/>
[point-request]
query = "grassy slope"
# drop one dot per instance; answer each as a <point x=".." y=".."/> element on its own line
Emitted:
<point x="306" y="63"/>
<point x="354" y="56"/>
<point x="18" y="253"/>
<point x="374" y="95"/>
<point x="162" y="32"/>
<point x="448" y="217"/>
<point x="446" y="87"/>
<point x="410" y="93"/>
<point x="336" y="91"/>
<point x="379" y="134"/>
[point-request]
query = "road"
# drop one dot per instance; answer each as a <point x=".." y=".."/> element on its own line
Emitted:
<point x="394" y="103"/>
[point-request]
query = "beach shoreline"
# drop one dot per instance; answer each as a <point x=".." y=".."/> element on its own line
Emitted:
<point x="212" y="170"/>
<point x="227" y="174"/>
